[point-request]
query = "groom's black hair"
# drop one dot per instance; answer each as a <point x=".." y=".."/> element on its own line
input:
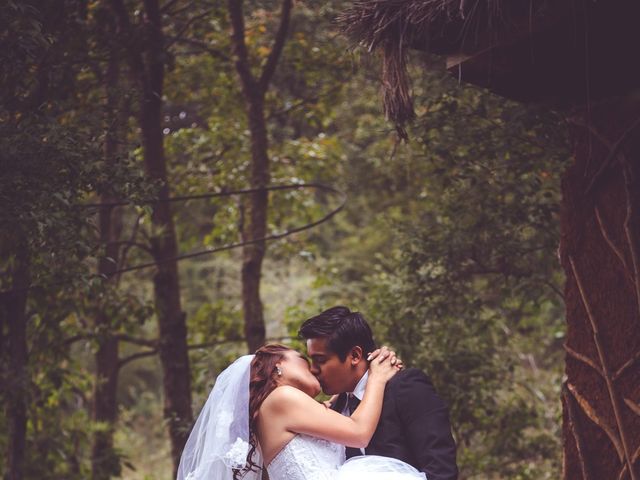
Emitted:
<point x="342" y="328"/>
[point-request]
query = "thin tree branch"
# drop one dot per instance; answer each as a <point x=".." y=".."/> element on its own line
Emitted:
<point x="134" y="56"/>
<point x="583" y="358"/>
<point x="626" y="365"/>
<point x="130" y="243"/>
<point x="224" y="193"/>
<point x="636" y="457"/>
<point x="593" y="416"/>
<point x="612" y="155"/>
<point x="170" y="4"/>
<point x="154" y="351"/>
<point x="136" y="356"/>
<point x="278" y="45"/>
<point x="138" y="341"/>
<point x="573" y="425"/>
<point x="134" y="234"/>
<point x="78" y="337"/>
<point x="197" y="346"/>
<point x="239" y="244"/>
<point x="613" y="247"/>
<point x="633" y="406"/>
<point x="239" y="47"/>
<point x="613" y="398"/>
<point x="203" y="46"/>
<point x="554" y="289"/>
<point x="173" y="39"/>
<point x="178" y="11"/>
<point x="630" y="230"/>
<point x="303" y="102"/>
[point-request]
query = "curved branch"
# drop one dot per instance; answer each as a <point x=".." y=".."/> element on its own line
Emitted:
<point x="138" y="341"/>
<point x="136" y="356"/>
<point x="154" y="351"/>
<point x="203" y="46"/>
<point x="130" y="243"/>
<point x="229" y="246"/>
<point x="239" y="244"/>
<point x="224" y="193"/>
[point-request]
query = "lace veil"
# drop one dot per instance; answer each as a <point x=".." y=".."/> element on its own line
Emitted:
<point x="219" y="441"/>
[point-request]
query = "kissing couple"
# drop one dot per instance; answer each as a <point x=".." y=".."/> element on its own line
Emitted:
<point x="383" y="422"/>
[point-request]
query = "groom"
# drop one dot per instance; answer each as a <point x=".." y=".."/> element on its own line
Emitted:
<point x="414" y="424"/>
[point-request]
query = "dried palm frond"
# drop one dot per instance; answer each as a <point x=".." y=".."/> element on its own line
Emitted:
<point x="393" y="26"/>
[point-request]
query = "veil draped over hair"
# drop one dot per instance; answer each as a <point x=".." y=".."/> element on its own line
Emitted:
<point x="219" y="441"/>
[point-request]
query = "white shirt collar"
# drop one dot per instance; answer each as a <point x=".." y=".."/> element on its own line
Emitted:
<point x="358" y="392"/>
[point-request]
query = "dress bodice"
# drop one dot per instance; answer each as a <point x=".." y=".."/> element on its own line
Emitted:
<point x="307" y="458"/>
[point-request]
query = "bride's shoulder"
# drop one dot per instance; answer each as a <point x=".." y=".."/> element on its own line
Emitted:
<point x="285" y="396"/>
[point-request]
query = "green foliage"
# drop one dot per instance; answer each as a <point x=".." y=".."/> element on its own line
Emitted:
<point x="468" y="286"/>
<point x="447" y="243"/>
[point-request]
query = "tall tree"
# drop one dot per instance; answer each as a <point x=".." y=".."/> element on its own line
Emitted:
<point x="254" y="89"/>
<point x="145" y="47"/>
<point x="13" y="305"/>
<point x="104" y="461"/>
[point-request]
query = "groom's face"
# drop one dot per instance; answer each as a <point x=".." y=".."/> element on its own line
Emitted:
<point x="334" y="375"/>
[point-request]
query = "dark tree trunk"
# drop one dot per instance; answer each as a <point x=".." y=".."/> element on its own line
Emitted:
<point x="255" y="228"/>
<point x="147" y="64"/>
<point x="600" y="253"/>
<point x="104" y="460"/>
<point x="171" y="319"/>
<point x="14" y="305"/>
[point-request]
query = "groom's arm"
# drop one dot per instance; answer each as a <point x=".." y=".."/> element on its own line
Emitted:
<point x="425" y="419"/>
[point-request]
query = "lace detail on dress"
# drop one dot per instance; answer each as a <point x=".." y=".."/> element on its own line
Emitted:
<point x="307" y="458"/>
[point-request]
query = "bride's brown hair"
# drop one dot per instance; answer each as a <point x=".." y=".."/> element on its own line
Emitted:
<point x="261" y="383"/>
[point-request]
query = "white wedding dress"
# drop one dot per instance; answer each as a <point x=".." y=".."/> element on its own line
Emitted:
<point x="310" y="458"/>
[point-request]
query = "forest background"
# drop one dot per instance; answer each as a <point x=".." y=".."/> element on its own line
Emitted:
<point x="446" y="242"/>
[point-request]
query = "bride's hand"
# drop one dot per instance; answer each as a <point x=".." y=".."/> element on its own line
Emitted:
<point x="329" y="403"/>
<point x="383" y="353"/>
<point x="381" y="366"/>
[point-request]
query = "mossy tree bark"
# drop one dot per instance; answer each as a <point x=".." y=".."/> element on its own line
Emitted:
<point x="600" y="253"/>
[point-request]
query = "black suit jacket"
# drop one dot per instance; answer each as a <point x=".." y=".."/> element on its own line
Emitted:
<point x="414" y="426"/>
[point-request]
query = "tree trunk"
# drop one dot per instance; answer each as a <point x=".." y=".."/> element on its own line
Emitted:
<point x="147" y="64"/>
<point x="14" y="309"/>
<point x="254" y="90"/>
<point x="255" y="228"/>
<point x="104" y="461"/>
<point x="600" y="253"/>
<point x="171" y="319"/>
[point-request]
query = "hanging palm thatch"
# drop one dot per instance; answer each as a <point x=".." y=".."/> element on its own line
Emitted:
<point x="446" y="27"/>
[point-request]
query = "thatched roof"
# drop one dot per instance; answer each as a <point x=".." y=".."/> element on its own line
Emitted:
<point x="438" y="26"/>
<point x="508" y="30"/>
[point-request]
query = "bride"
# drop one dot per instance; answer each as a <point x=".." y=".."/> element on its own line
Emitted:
<point x="261" y="413"/>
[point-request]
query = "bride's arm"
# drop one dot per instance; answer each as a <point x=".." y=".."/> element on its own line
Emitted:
<point x="295" y="411"/>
